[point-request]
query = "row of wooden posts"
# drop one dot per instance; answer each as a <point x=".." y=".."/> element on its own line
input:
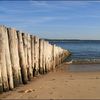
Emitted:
<point x="23" y="56"/>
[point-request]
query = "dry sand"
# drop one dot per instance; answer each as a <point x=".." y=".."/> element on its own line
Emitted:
<point x="60" y="84"/>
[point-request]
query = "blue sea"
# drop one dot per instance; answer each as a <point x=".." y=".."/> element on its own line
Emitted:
<point x="82" y="51"/>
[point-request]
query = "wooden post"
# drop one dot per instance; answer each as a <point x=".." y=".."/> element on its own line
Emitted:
<point x="8" y="62"/>
<point x="1" y="85"/>
<point x="41" y="56"/>
<point x="46" y="56"/>
<point x="54" y="57"/>
<point x="25" y="43"/>
<point x="22" y="58"/>
<point x="59" y="55"/>
<point x="36" y="55"/>
<point x="50" y="57"/>
<point x="30" y="75"/>
<point x="32" y="53"/>
<point x="13" y="45"/>
<point x="47" y="52"/>
<point x="3" y="68"/>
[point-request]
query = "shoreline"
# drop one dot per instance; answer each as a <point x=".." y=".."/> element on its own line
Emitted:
<point x="60" y="84"/>
<point x="83" y="61"/>
<point x="86" y="62"/>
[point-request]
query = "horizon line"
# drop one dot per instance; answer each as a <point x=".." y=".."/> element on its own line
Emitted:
<point x="67" y="39"/>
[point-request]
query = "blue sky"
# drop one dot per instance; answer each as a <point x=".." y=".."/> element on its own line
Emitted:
<point x="53" y="19"/>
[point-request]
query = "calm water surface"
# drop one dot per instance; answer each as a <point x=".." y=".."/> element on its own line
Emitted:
<point x="83" y="51"/>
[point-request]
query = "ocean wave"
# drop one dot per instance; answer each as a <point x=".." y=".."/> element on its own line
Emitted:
<point x="86" y="61"/>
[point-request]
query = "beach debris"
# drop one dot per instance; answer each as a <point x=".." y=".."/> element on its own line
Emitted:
<point x="30" y="90"/>
<point x="26" y="91"/>
<point x="21" y="91"/>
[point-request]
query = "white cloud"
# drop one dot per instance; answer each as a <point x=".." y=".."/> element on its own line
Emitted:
<point x="76" y="3"/>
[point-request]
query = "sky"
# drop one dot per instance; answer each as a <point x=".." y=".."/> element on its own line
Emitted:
<point x="53" y="19"/>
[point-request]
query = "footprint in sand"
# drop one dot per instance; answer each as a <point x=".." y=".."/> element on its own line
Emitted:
<point x="21" y="91"/>
<point x="70" y="75"/>
<point x="53" y="88"/>
<point x="89" y="89"/>
<point x="97" y="78"/>
<point x="93" y="87"/>
<point x="71" y="79"/>
<point x="66" y="81"/>
<point x="35" y="96"/>
<point x="50" y="92"/>
<point x="53" y="79"/>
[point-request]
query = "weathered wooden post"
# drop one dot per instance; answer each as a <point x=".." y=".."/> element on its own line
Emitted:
<point x="3" y="69"/>
<point x="36" y="55"/>
<point x="54" y="60"/>
<point x="22" y="58"/>
<point x="30" y="72"/>
<point x="1" y="54"/>
<point x="48" y="52"/>
<point x="51" y="57"/>
<point x="46" y="57"/>
<point x="8" y="61"/>
<point x="13" y="44"/>
<point x="32" y="53"/>
<point x="55" y="56"/>
<point x="43" y="57"/>
<point x="25" y="43"/>
<point x="1" y="85"/>
<point x="60" y="54"/>
<point x="40" y="56"/>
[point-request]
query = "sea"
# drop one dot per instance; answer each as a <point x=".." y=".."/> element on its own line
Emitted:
<point x="82" y="51"/>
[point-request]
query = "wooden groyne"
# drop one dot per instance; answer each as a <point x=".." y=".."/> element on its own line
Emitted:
<point x="23" y="56"/>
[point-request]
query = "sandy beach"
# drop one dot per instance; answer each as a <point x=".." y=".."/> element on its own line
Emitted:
<point x="60" y="84"/>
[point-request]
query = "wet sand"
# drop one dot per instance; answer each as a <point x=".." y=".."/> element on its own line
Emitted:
<point x="60" y="84"/>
